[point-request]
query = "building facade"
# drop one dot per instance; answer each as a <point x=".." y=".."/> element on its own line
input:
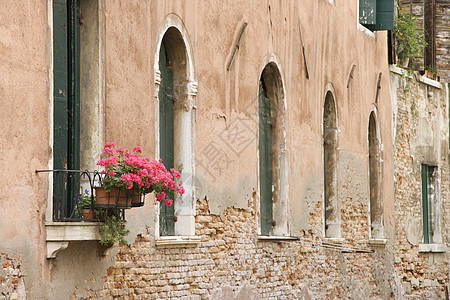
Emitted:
<point x="284" y="119"/>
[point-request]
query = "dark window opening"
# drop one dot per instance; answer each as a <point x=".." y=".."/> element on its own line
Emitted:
<point x="429" y="203"/>
<point x="376" y="15"/>
<point x="331" y="215"/>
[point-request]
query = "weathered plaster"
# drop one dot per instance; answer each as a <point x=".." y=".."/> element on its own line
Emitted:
<point x="420" y="117"/>
<point x="127" y="81"/>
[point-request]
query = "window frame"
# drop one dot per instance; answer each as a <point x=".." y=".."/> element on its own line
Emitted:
<point x="59" y="234"/>
<point x="383" y="18"/>
<point x="429" y="30"/>
<point x="430" y="204"/>
<point x="375" y="183"/>
<point x="271" y="74"/>
<point x="184" y="135"/>
<point x="66" y="99"/>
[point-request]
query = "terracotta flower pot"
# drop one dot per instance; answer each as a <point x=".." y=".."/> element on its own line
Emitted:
<point x="88" y="213"/>
<point x="430" y="75"/>
<point x="404" y="62"/>
<point x="122" y="198"/>
<point x="114" y="198"/>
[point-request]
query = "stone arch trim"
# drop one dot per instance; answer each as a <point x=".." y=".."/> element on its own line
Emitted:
<point x="330" y="89"/>
<point x="173" y="20"/>
<point x="274" y="60"/>
<point x="374" y="111"/>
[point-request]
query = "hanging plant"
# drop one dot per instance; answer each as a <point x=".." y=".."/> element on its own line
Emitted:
<point x="409" y="37"/>
<point x="113" y="229"/>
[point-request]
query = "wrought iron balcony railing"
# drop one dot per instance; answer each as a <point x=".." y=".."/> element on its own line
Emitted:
<point x="72" y="191"/>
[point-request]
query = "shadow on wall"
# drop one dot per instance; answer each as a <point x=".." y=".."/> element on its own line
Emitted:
<point x="76" y="271"/>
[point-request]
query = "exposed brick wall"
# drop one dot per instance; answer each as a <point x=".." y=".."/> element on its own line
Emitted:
<point x="422" y="274"/>
<point x="10" y="275"/>
<point x="230" y="261"/>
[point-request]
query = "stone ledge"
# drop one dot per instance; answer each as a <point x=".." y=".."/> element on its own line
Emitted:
<point x="399" y="71"/>
<point x="59" y="234"/>
<point x="378" y="242"/>
<point x="366" y="31"/>
<point x="433" y="248"/>
<point x="420" y="78"/>
<point x="177" y="241"/>
<point x="72" y="231"/>
<point x="275" y="238"/>
<point x="428" y="81"/>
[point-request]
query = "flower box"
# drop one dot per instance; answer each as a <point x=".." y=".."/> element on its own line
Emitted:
<point x="115" y="198"/>
<point x="128" y="177"/>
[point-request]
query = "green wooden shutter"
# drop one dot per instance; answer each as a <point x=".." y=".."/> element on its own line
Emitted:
<point x="66" y="114"/>
<point x="425" y="215"/>
<point x="60" y="108"/>
<point x="377" y="14"/>
<point x="167" y="213"/>
<point x="74" y="103"/>
<point x="367" y="12"/>
<point x="265" y="162"/>
<point x="61" y="80"/>
<point x="385" y="15"/>
<point x="74" y="86"/>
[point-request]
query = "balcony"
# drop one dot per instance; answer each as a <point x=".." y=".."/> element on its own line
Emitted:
<point x="65" y="221"/>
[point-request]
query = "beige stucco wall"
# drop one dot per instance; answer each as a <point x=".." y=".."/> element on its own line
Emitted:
<point x="23" y="140"/>
<point x="226" y="101"/>
<point x="228" y="97"/>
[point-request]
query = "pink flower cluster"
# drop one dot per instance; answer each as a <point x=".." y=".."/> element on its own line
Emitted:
<point x="128" y="170"/>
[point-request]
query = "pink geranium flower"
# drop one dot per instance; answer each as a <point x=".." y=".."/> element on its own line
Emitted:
<point x="128" y="170"/>
<point x="137" y="149"/>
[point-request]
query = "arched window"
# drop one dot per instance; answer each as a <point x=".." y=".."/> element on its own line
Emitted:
<point x="332" y="215"/>
<point x="376" y="207"/>
<point x="272" y="153"/>
<point x="175" y="129"/>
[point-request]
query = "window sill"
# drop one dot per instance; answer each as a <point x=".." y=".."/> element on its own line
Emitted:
<point x="399" y="71"/>
<point x="72" y="231"/>
<point x="177" y="241"/>
<point x="378" y="242"/>
<point x="59" y="234"/>
<point x="366" y="31"/>
<point x="420" y="78"/>
<point x="428" y="81"/>
<point x="275" y="238"/>
<point x="433" y="248"/>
